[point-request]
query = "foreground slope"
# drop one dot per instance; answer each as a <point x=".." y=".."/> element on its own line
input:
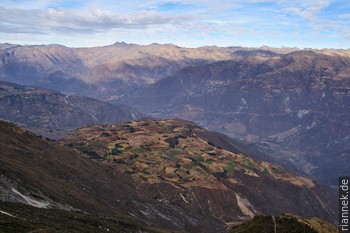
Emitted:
<point x="20" y="218"/>
<point x="53" y="114"/>
<point x="297" y="103"/>
<point x="45" y="174"/>
<point x="286" y="223"/>
<point x="14" y="218"/>
<point x="156" y="179"/>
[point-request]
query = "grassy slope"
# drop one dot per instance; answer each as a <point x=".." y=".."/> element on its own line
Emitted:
<point x="30" y="219"/>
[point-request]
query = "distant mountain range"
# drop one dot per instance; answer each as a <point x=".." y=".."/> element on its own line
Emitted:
<point x="150" y="175"/>
<point x="292" y="102"/>
<point x="103" y="72"/>
<point x="52" y="114"/>
<point x="296" y="105"/>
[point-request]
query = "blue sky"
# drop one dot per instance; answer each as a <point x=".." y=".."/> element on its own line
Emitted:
<point x="188" y="23"/>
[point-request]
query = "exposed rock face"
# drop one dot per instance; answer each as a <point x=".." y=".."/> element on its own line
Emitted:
<point x="53" y="114"/>
<point x="297" y="104"/>
<point x="185" y="195"/>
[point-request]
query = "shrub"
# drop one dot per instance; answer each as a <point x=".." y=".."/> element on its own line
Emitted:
<point x="115" y="151"/>
<point x="230" y="167"/>
<point x="122" y="161"/>
<point x="266" y="171"/>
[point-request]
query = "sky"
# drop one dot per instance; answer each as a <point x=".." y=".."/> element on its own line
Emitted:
<point x="187" y="23"/>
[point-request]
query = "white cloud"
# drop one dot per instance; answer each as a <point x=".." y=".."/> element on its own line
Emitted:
<point x="86" y="21"/>
<point x="344" y="16"/>
<point x="196" y="22"/>
<point x="306" y="8"/>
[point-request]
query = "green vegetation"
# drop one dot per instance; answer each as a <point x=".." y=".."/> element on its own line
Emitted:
<point x="199" y="159"/>
<point x="115" y="151"/>
<point x="157" y="154"/>
<point x="138" y="150"/>
<point x="202" y="160"/>
<point x="266" y="171"/>
<point x="251" y="165"/>
<point x="209" y="161"/>
<point x="247" y="168"/>
<point x="119" y="160"/>
<point x="173" y="154"/>
<point x="118" y="146"/>
<point x="165" y="128"/>
<point x="208" y="149"/>
<point x="230" y="167"/>
<point x="130" y="172"/>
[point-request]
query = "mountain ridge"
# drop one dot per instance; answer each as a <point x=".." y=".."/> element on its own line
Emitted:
<point x="53" y="114"/>
<point x="110" y="72"/>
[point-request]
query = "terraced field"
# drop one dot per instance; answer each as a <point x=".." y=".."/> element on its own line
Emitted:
<point x="171" y="151"/>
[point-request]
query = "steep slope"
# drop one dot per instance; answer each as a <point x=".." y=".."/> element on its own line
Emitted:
<point x="53" y="114"/>
<point x="14" y="218"/>
<point x="160" y="184"/>
<point x="45" y="174"/>
<point x="171" y="152"/>
<point x="297" y="104"/>
<point x="19" y="218"/>
<point x="106" y="72"/>
<point x="286" y="223"/>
